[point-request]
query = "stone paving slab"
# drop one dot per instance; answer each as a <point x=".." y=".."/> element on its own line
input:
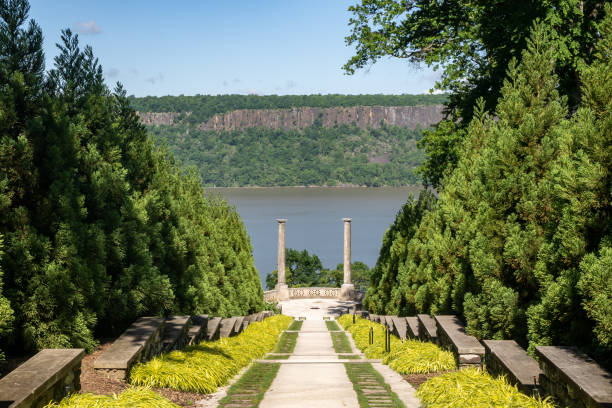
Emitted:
<point x="310" y="385"/>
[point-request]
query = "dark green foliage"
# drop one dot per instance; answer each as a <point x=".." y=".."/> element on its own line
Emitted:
<point x="305" y="270"/>
<point x="203" y="107"/>
<point x="383" y="294"/>
<point x="100" y="226"/>
<point x="312" y="156"/>
<point x="471" y="43"/>
<point x="519" y="240"/>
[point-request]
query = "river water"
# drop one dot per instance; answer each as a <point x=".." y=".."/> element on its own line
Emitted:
<point x="314" y="220"/>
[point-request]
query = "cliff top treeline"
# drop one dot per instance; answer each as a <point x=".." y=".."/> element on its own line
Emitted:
<point x="203" y="107"/>
<point x="98" y="225"/>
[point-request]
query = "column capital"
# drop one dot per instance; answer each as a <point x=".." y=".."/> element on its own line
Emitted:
<point x="281" y="220"/>
<point x="347" y="219"/>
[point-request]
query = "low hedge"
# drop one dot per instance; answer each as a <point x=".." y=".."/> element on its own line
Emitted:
<point x="406" y="357"/>
<point x="206" y="366"/>
<point x="473" y="388"/>
<point x="132" y="397"/>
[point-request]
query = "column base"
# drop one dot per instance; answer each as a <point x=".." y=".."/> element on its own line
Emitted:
<point x="347" y="291"/>
<point x="282" y="291"/>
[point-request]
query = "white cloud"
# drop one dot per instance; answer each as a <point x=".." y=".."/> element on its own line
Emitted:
<point x="87" y="28"/>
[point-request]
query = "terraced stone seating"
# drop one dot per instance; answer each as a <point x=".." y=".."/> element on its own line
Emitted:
<point x="573" y="378"/>
<point x="197" y="331"/>
<point x="140" y="342"/>
<point x="388" y="321"/>
<point x="451" y="334"/>
<point x="506" y="357"/>
<point x="427" y="328"/>
<point x="176" y="333"/>
<point x="213" y="330"/>
<point x="412" y="323"/>
<point x="49" y="375"/>
<point x="227" y="327"/>
<point x="237" y="326"/>
<point x="399" y="327"/>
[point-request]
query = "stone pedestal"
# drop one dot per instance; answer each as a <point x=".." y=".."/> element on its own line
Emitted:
<point x="282" y="291"/>
<point x="347" y="291"/>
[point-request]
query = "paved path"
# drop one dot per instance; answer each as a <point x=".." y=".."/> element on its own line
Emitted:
<point x="313" y="376"/>
<point x="311" y="384"/>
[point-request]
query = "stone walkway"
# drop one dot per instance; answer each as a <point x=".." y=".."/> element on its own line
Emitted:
<point x="314" y="376"/>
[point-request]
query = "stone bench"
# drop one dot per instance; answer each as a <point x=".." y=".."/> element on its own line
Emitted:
<point x="213" y="329"/>
<point x="451" y="334"/>
<point x="388" y="321"/>
<point x="176" y="333"/>
<point x="399" y="327"/>
<point x="374" y="318"/>
<point x="197" y="331"/>
<point x="573" y="378"/>
<point x="412" y="323"/>
<point x="48" y="376"/>
<point x="506" y="357"/>
<point x="427" y="328"/>
<point x="140" y="342"/>
<point x="227" y="327"/>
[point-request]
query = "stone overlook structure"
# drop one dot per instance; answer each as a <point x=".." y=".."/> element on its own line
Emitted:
<point x="300" y="118"/>
<point x="282" y="291"/>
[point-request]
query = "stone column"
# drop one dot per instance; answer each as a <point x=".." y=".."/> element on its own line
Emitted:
<point x="281" y="285"/>
<point x="347" y="291"/>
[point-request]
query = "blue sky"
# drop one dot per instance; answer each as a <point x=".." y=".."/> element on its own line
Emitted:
<point x="224" y="46"/>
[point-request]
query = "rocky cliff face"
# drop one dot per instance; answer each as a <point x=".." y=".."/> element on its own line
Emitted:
<point x="362" y="116"/>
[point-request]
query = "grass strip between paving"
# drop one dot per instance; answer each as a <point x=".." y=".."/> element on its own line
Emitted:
<point x="370" y="386"/>
<point x="286" y="343"/>
<point x="296" y="325"/>
<point x="249" y="390"/>
<point x="350" y="357"/>
<point x="332" y="325"/>
<point x="341" y="342"/>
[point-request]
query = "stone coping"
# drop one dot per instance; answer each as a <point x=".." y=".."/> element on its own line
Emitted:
<point x="427" y="328"/>
<point x="413" y="326"/>
<point x="126" y="348"/>
<point x="452" y="327"/>
<point x="197" y="331"/>
<point x="27" y="382"/>
<point x="212" y="329"/>
<point x="578" y="369"/>
<point x="507" y="357"/>
<point x="388" y="321"/>
<point x="237" y="325"/>
<point x="399" y="323"/>
<point x="175" y="327"/>
<point x="227" y="326"/>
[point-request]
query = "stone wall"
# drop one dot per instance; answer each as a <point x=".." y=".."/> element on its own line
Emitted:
<point x="49" y="376"/>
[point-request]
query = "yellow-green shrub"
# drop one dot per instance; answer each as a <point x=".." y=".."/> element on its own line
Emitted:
<point x="473" y="388"/>
<point x="208" y="365"/>
<point x="132" y="397"/>
<point x="406" y="357"/>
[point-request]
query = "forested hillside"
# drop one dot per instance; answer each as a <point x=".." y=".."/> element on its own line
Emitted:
<point x="295" y="140"/>
<point x="98" y="225"/>
<point x="519" y="242"/>
<point x="312" y="156"/>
